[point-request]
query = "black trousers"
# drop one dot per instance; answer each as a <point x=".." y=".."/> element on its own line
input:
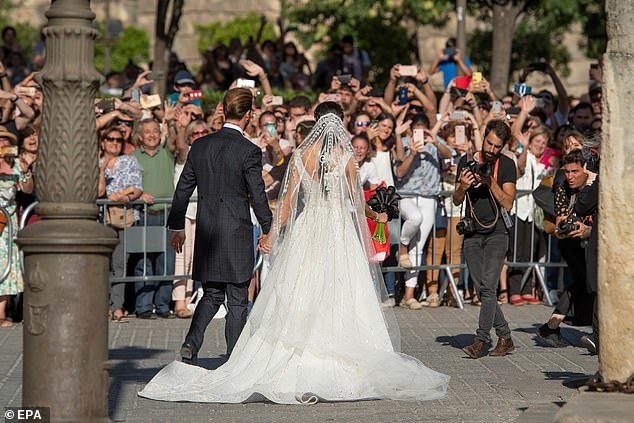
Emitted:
<point x="213" y="298"/>
<point x="576" y="303"/>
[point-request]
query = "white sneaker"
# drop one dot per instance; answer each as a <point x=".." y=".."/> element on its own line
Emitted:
<point x="412" y="304"/>
<point x="390" y="302"/>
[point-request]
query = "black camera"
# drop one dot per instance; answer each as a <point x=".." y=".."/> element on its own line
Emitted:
<point x="570" y="224"/>
<point x="482" y="169"/>
<point x="466" y="226"/>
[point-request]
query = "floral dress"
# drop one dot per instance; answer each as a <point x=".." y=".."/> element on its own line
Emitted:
<point x="13" y="283"/>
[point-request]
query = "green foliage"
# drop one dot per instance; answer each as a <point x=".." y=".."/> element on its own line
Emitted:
<point x="380" y="27"/>
<point x="133" y="44"/>
<point x="241" y="27"/>
<point x="540" y="32"/>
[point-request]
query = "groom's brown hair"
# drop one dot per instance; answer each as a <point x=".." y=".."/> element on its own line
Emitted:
<point x="237" y="103"/>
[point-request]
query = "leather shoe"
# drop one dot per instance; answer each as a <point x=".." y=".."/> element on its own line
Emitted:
<point x="188" y="356"/>
<point x="477" y="350"/>
<point x="503" y="347"/>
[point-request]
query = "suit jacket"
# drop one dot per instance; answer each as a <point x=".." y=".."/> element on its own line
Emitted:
<point x="227" y="169"/>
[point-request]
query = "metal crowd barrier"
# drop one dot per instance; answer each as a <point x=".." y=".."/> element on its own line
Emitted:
<point x="140" y="239"/>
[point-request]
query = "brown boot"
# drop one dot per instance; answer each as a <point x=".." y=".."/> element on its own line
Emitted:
<point x="477" y="349"/>
<point x="503" y="347"/>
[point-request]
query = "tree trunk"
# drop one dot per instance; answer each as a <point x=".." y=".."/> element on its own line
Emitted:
<point x="616" y="237"/>
<point x="504" y="18"/>
<point x="164" y="37"/>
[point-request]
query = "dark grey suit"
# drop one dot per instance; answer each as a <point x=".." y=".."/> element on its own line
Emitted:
<point x="227" y="169"/>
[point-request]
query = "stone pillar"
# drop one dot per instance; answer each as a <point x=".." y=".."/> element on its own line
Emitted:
<point x="616" y="236"/>
<point x="67" y="253"/>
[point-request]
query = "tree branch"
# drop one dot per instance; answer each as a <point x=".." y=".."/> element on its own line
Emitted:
<point x="177" y="11"/>
<point x="161" y="17"/>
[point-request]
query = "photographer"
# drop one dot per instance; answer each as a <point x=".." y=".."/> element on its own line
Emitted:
<point x="487" y="182"/>
<point x="576" y="303"/>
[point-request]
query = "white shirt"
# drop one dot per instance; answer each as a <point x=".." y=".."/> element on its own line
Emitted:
<point x="383" y="164"/>
<point x="533" y="173"/>
<point x="368" y="173"/>
<point x="233" y="126"/>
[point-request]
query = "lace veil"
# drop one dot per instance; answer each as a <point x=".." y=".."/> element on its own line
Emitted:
<point x="323" y="173"/>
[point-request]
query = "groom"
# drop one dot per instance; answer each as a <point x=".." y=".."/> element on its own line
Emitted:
<point x="227" y="169"/>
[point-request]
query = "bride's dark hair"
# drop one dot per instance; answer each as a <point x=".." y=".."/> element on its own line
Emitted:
<point x="328" y="107"/>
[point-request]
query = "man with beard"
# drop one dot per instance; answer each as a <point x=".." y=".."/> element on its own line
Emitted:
<point x="487" y="182"/>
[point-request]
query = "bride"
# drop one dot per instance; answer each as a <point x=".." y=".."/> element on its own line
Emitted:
<point x="317" y="331"/>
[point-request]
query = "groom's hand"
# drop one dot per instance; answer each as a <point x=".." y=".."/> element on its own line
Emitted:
<point x="264" y="243"/>
<point x="178" y="238"/>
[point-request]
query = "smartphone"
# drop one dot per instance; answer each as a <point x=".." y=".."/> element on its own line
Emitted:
<point x="457" y="92"/>
<point x="344" y="79"/>
<point x="106" y="105"/>
<point x="277" y="100"/>
<point x="408" y="70"/>
<point x="333" y="97"/>
<point x="195" y="95"/>
<point x="419" y="135"/>
<point x="522" y="89"/>
<point x="150" y="101"/>
<point x="457" y="115"/>
<point x="155" y="76"/>
<point x="245" y="83"/>
<point x="476" y="77"/>
<point x="271" y="128"/>
<point x="538" y="66"/>
<point x="539" y="102"/>
<point x="136" y="95"/>
<point x="460" y="135"/>
<point x="28" y="91"/>
<point x="373" y="122"/>
<point x="496" y="106"/>
<point x="267" y="167"/>
<point x="449" y="52"/>
<point x="402" y="95"/>
<point x="513" y="110"/>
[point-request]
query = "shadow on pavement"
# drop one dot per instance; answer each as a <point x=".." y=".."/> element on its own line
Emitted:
<point x="457" y="341"/>
<point x="125" y="370"/>
<point x="570" y="380"/>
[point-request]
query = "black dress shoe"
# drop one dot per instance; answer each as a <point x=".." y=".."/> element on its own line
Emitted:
<point x="166" y="315"/>
<point x="188" y="356"/>
<point x="551" y="337"/>
<point x="146" y="315"/>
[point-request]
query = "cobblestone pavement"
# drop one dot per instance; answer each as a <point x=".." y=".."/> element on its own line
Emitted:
<point x="487" y="390"/>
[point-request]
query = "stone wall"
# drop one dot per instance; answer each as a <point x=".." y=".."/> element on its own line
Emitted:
<point x="141" y="13"/>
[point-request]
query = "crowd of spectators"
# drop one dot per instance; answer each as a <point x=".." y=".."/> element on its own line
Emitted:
<point x="403" y="134"/>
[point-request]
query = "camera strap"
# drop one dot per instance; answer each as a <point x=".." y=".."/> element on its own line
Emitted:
<point x="491" y="197"/>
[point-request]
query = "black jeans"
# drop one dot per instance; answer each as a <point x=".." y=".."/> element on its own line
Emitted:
<point x="214" y="296"/>
<point x="485" y="256"/>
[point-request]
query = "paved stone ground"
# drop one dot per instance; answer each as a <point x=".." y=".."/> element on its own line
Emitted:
<point x="487" y="390"/>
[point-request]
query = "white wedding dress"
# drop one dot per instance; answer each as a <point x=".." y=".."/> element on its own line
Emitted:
<point x="317" y="331"/>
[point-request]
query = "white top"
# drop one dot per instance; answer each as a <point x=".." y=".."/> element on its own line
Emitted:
<point x="232" y="126"/>
<point x="192" y="208"/>
<point x="369" y="173"/>
<point x="533" y="173"/>
<point x="383" y="164"/>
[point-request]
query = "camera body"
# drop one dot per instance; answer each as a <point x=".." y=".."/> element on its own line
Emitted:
<point x="570" y="224"/>
<point x="482" y="169"/>
<point x="466" y="226"/>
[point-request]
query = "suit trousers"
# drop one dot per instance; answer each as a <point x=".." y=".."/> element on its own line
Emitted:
<point x="213" y="298"/>
<point x="485" y="256"/>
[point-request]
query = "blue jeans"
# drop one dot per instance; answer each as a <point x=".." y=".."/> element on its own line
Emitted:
<point x="158" y="293"/>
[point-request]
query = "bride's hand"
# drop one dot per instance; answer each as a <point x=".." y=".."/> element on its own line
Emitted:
<point x="381" y="217"/>
<point x="264" y="243"/>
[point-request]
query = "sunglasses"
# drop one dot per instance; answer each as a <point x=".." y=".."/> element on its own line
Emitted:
<point x="203" y="132"/>
<point x="361" y="124"/>
<point x="125" y="123"/>
<point x="114" y="139"/>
